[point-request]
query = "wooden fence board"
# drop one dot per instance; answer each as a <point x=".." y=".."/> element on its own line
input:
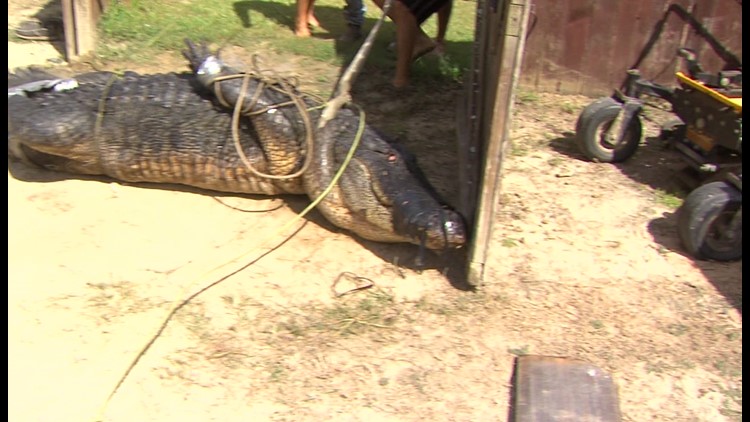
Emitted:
<point x="80" y="19"/>
<point x="502" y="36"/>
<point x="587" y="46"/>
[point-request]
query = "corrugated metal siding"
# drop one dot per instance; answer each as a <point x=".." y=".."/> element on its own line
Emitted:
<point x="586" y="46"/>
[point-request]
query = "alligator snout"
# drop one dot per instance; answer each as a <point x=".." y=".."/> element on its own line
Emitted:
<point x="428" y="223"/>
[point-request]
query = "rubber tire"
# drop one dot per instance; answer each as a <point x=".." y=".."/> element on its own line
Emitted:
<point x="594" y="120"/>
<point x="591" y="109"/>
<point x="704" y="208"/>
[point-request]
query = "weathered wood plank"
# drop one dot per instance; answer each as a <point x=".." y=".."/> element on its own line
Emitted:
<point x="467" y="117"/>
<point x="80" y="19"/>
<point x="587" y="46"/>
<point x="554" y="389"/>
<point x="499" y="75"/>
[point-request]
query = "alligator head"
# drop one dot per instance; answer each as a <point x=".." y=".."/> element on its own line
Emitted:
<point x="380" y="195"/>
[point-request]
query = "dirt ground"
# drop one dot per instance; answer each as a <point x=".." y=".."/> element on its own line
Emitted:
<point x="585" y="264"/>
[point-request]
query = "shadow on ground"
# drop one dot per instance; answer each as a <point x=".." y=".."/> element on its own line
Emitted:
<point x="333" y="25"/>
<point x="407" y="256"/>
<point x="421" y="117"/>
<point x="662" y="168"/>
<point x="51" y="16"/>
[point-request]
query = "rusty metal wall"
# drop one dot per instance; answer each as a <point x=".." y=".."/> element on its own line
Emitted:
<point x="586" y="46"/>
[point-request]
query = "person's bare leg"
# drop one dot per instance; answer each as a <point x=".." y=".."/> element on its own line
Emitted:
<point x="406" y="35"/>
<point x="423" y="44"/>
<point x="443" y="17"/>
<point x="311" y="19"/>
<point x="411" y="40"/>
<point x="304" y="11"/>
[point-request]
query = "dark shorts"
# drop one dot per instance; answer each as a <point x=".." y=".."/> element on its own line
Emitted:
<point x="423" y="9"/>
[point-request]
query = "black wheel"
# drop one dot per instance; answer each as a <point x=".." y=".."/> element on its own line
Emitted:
<point x="590" y="109"/>
<point x="594" y="135"/>
<point x="705" y="220"/>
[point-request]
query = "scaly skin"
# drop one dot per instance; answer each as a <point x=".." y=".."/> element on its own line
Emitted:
<point x="165" y="129"/>
<point x="139" y="138"/>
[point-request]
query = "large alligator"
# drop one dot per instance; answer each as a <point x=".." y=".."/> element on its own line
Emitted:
<point x="179" y="128"/>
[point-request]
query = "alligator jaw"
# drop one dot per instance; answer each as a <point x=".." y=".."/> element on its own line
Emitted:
<point x="377" y="196"/>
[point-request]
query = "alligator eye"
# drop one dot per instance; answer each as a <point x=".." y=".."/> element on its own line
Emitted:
<point x="392" y="158"/>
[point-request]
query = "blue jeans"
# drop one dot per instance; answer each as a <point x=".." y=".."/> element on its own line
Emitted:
<point x="354" y="12"/>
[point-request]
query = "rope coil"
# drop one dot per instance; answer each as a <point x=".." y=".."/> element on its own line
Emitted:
<point x="238" y="111"/>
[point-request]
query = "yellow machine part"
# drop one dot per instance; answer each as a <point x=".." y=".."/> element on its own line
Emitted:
<point x="735" y="103"/>
<point x="702" y="140"/>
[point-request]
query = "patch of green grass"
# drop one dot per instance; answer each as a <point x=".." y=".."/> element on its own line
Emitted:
<point x="470" y="303"/>
<point x="728" y="369"/>
<point x="527" y="97"/>
<point x="143" y="29"/>
<point x="733" y="335"/>
<point x="668" y="199"/>
<point x="352" y="315"/>
<point x="195" y="321"/>
<point x="293" y="327"/>
<point x="657" y="367"/>
<point x="677" y="329"/>
<point x="597" y="324"/>
<point x="732" y="404"/>
<point x="277" y="373"/>
<point x="518" y="149"/>
<point x="569" y="108"/>
<point x="509" y="242"/>
<point x="116" y="300"/>
<point x="685" y="364"/>
<point x="12" y="35"/>
<point x="373" y="311"/>
<point x="519" y="351"/>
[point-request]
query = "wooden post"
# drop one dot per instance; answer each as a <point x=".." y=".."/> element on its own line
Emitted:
<point x="467" y="123"/>
<point x="80" y="19"/>
<point x="501" y="40"/>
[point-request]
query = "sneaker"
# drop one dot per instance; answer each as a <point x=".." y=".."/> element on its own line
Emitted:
<point x="38" y="30"/>
<point x="353" y="33"/>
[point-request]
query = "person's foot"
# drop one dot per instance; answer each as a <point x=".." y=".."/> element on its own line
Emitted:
<point x="439" y="49"/>
<point x="423" y="45"/>
<point x="302" y="29"/>
<point x="312" y="21"/>
<point x="38" y="30"/>
<point x="353" y="33"/>
<point x="400" y="83"/>
<point x="302" y="32"/>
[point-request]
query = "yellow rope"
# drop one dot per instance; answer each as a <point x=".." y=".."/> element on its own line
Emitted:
<point x="288" y="89"/>
<point x="102" y="107"/>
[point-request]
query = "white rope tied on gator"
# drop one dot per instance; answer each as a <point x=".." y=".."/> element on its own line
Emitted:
<point x="57" y="85"/>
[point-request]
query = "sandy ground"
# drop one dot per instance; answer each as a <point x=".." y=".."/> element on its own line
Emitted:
<point x="585" y="264"/>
